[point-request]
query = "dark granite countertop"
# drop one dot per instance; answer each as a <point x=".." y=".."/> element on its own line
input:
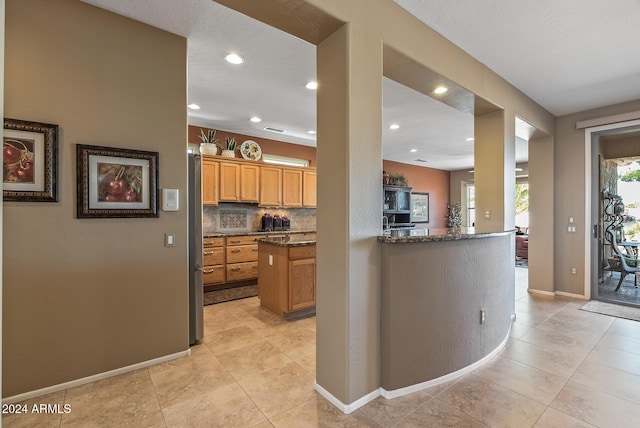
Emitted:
<point x="257" y="233"/>
<point x="290" y="241"/>
<point x="434" y="235"/>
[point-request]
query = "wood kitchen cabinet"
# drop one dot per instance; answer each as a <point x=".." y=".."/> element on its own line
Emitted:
<point x="239" y="182"/>
<point x="287" y="279"/>
<point x="270" y="186"/>
<point x="210" y="173"/>
<point x="241" y="258"/>
<point x="213" y="270"/>
<point x="291" y="188"/>
<point x="309" y="185"/>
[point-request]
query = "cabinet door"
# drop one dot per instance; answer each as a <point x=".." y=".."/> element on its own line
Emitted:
<point x="229" y="181"/>
<point x="249" y="183"/>
<point x="309" y="181"/>
<point x="209" y="182"/>
<point x="302" y="284"/>
<point x="270" y="186"/>
<point x="291" y="188"/>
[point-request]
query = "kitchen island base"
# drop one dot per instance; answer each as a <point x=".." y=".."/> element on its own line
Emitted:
<point x="287" y="276"/>
<point x="447" y="304"/>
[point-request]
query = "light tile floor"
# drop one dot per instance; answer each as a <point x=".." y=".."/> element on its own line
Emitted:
<point x="562" y="367"/>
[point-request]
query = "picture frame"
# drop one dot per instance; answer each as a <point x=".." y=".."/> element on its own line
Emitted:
<point x="116" y="183"/>
<point x="30" y="161"/>
<point x="419" y="207"/>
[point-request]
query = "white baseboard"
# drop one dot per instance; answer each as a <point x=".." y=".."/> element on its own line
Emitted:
<point x="573" y="295"/>
<point x="346" y="408"/>
<point x="73" y="383"/>
<point x="446" y="378"/>
<point x="349" y="408"/>
<point x="542" y="292"/>
<point x="557" y="293"/>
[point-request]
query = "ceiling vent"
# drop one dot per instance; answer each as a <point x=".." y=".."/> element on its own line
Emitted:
<point x="268" y="128"/>
<point x="421" y="160"/>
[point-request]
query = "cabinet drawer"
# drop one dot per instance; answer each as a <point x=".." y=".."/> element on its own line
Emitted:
<point x="213" y="274"/>
<point x="242" y="253"/>
<point x="303" y="252"/>
<point x="242" y="240"/>
<point x="239" y="271"/>
<point x="213" y="242"/>
<point x="213" y="256"/>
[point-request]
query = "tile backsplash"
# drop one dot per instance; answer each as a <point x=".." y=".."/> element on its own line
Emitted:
<point x="236" y="218"/>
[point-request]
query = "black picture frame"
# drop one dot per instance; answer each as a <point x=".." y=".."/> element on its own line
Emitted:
<point x="30" y="161"/>
<point x="116" y="183"/>
<point x="419" y="207"/>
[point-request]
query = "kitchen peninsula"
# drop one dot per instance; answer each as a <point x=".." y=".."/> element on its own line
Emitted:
<point x="287" y="275"/>
<point x="447" y="303"/>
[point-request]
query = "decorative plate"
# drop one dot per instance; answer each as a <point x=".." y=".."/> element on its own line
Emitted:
<point x="250" y="150"/>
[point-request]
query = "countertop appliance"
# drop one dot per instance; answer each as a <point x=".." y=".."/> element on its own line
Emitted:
<point x="194" y="207"/>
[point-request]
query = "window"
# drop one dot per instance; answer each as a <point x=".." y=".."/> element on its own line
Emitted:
<point x="283" y="160"/>
<point x="471" y="204"/>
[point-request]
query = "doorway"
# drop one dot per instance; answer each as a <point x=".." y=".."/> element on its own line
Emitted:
<point x="614" y="200"/>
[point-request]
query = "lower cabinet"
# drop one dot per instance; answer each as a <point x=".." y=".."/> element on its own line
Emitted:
<point x="213" y="261"/>
<point x="287" y="279"/>
<point x="242" y="258"/>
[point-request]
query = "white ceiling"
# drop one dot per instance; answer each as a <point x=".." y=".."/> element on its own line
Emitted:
<point x="568" y="56"/>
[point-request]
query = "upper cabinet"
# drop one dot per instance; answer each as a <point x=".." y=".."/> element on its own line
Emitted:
<point x="238" y="180"/>
<point x="291" y="188"/>
<point x="309" y="193"/>
<point x="270" y="186"/>
<point x="210" y="173"/>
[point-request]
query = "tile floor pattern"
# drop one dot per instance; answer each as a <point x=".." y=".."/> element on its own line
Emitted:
<point x="562" y="367"/>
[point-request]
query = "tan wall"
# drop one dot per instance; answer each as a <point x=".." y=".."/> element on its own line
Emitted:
<point x="349" y="123"/>
<point x="569" y="172"/>
<point x="620" y="147"/>
<point x="84" y="296"/>
<point x="272" y="147"/>
<point x="430" y="180"/>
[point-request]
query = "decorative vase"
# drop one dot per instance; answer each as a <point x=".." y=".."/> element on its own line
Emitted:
<point x="208" y="149"/>
<point x="229" y="153"/>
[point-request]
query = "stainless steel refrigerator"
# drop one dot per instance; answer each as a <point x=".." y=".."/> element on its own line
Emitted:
<point x="196" y="325"/>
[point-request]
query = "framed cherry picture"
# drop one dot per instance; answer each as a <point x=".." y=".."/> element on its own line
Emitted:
<point x="115" y="182"/>
<point x="29" y="161"/>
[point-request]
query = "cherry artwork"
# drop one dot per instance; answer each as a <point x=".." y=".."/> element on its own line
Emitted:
<point x="17" y="161"/>
<point x="119" y="183"/>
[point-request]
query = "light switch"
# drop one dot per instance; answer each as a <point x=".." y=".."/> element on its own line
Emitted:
<point x="270" y="260"/>
<point x="169" y="239"/>
<point x="570" y="219"/>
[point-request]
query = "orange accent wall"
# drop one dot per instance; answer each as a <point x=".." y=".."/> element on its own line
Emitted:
<point x="272" y="147"/>
<point x="430" y="180"/>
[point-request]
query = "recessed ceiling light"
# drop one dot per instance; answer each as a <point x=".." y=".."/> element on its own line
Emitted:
<point x="194" y="106"/>
<point x="234" y="58"/>
<point x="394" y="126"/>
<point x="255" y="119"/>
<point x="311" y="131"/>
<point x="440" y="90"/>
<point x="413" y="150"/>
<point x="470" y="139"/>
<point x="311" y="85"/>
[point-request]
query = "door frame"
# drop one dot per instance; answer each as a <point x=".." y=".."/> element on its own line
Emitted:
<point x="590" y="243"/>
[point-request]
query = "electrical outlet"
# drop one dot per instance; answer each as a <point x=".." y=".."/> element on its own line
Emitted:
<point x="574" y="271"/>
